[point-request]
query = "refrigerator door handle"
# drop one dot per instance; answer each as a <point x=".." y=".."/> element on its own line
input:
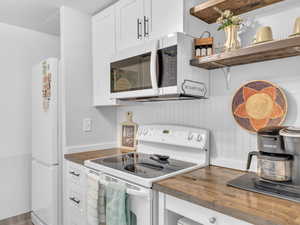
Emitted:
<point x="43" y="163"/>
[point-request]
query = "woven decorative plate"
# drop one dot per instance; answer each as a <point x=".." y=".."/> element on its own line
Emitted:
<point x="259" y="104"/>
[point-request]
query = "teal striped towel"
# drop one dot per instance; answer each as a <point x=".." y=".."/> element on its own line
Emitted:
<point x="117" y="207"/>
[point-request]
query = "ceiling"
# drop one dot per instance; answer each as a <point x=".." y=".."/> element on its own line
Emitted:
<point x="43" y="15"/>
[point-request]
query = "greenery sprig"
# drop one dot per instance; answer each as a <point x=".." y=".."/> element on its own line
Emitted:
<point x="227" y="18"/>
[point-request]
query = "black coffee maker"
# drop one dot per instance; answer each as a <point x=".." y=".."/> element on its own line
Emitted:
<point x="278" y="161"/>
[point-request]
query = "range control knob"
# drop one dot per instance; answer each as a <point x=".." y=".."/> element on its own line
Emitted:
<point x="212" y="220"/>
<point x="140" y="132"/>
<point x="199" y="138"/>
<point x="145" y="132"/>
<point x="190" y="137"/>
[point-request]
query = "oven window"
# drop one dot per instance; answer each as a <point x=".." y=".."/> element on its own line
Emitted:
<point x="131" y="74"/>
<point x="167" y="67"/>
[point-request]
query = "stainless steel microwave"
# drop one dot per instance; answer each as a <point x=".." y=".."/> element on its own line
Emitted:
<point x="158" y="70"/>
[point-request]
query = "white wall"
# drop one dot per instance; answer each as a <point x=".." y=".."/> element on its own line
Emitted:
<point x="230" y="144"/>
<point x="20" y="49"/>
<point x="76" y="52"/>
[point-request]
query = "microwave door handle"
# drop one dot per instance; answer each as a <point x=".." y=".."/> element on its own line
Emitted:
<point x="153" y="68"/>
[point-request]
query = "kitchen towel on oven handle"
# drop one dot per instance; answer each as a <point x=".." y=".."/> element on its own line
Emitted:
<point x="95" y="200"/>
<point x="102" y="204"/>
<point x="130" y="189"/>
<point x="117" y="207"/>
<point x="92" y="199"/>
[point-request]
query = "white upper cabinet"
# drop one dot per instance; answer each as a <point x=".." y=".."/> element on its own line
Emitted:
<point x="129" y="23"/>
<point x="143" y="20"/>
<point x="162" y="17"/>
<point x="104" y="47"/>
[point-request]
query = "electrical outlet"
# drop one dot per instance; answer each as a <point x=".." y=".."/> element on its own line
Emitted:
<point x="87" y="125"/>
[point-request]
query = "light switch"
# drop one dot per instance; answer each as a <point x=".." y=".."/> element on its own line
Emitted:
<point x="87" y="125"/>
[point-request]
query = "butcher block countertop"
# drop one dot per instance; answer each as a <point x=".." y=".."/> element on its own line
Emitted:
<point x="83" y="156"/>
<point x="207" y="187"/>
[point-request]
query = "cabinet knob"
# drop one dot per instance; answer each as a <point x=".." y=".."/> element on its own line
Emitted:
<point x="212" y="220"/>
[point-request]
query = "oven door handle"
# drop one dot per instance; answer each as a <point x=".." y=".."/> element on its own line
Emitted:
<point x="153" y="67"/>
<point x="142" y="194"/>
<point x="129" y="191"/>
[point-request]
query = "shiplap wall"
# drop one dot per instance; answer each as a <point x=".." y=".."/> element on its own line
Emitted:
<point x="230" y="144"/>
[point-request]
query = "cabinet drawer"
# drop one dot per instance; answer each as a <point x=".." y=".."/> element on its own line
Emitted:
<point x="200" y="214"/>
<point x="76" y="217"/>
<point x="76" y="200"/>
<point x="75" y="173"/>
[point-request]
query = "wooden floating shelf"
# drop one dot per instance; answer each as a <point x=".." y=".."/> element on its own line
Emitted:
<point x="256" y="53"/>
<point x="207" y="13"/>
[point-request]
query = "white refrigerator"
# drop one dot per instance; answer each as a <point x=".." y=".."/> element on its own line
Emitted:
<point x="46" y="144"/>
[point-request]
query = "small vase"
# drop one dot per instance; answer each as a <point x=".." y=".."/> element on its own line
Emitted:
<point x="232" y="41"/>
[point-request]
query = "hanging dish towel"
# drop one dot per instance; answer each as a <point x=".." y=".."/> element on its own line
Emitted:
<point x="117" y="210"/>
<point x="95" y="201"/>
<point x="101" y="204"/>
<point x="92" y="199"/>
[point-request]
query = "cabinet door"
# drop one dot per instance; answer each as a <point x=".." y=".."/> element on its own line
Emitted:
<point x="129" y="23"/>
<point x="164" y="17"/>
<point x="104" y="46"/>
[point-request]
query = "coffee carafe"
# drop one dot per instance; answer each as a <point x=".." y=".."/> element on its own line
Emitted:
<point x="273" y="162"/>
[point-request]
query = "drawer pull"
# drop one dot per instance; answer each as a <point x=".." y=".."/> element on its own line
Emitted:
<point x="75" y="174"/>
<point x="75" y="200"/>
<point x="212" y="220"/>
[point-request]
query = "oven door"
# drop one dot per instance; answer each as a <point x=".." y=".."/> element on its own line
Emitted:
<point x="140" y="201"/>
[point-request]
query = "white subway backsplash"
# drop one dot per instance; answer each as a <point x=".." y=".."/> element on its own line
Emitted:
<point x="229" y="142"/>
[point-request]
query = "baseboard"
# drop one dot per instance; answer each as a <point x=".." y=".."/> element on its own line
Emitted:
<point x="92" y="147"/>
<point x="16" y="219"/>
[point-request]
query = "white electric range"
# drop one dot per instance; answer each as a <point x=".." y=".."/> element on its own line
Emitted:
<point x="163" y="151"/>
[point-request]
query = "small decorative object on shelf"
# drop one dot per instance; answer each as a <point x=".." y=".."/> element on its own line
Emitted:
<point x="263" y="34"/>
<point x="128" y="133"/>
<point x="296" y="27"/>
<point x="204" y="46"/>
<point x="231" y="25"/>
